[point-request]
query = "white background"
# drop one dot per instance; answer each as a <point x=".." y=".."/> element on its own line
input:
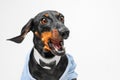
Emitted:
<point x="94" y="40"/>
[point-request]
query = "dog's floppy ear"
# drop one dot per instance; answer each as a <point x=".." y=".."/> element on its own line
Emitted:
<point x="24" y="31"/>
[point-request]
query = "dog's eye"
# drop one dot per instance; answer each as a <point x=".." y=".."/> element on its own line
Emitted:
<point x="43" y="21"/>
<point x="61" y="19"/>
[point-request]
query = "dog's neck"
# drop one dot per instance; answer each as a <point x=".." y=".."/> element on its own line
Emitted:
<point x="40" y="59"/>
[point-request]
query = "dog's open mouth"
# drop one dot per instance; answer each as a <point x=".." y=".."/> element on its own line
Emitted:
<point x="57" y="47"/>
<point x="53" y="42"/>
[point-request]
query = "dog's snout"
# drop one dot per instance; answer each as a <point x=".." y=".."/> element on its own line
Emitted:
<point x="63" y="30"/>
<point x="64" y="33"/>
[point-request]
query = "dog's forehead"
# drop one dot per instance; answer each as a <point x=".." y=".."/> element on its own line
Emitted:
<point x="48" y="13"/>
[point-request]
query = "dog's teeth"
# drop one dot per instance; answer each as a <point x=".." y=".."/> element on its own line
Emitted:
<point x="61" y="43"/>
<point x="59" y="51"/>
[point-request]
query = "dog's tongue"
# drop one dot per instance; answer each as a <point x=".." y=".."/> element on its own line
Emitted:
<point x="58" y="47"/>
<point x="56" y="44"/>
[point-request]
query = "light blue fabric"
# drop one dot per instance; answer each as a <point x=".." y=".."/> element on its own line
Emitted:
<point x="68" y="74"/>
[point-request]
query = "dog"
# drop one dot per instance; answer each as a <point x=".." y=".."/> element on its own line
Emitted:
<point x="47" y="60"/>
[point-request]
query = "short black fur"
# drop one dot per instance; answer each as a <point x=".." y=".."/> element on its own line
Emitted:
<point x="54" y="20"/>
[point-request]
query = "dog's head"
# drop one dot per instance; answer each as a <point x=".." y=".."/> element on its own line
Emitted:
<point x="49" y="32"/>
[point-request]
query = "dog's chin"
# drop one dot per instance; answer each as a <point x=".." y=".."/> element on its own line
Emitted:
<point x="57" y="48"/>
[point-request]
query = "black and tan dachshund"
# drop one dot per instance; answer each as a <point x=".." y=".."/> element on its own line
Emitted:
<point x="47" y="60"/>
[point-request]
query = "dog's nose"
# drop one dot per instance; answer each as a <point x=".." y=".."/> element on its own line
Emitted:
<point x="64" y="32"/>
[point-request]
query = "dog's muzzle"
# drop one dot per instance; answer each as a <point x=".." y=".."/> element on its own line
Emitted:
<point x="57" y="44"/>
<point x="54" y="40"/>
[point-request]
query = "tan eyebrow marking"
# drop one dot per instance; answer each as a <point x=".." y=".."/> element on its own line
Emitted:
<point x="46" y="15"/>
